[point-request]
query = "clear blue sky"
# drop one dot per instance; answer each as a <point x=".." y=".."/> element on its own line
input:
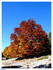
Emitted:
<point x="15" y="12"/>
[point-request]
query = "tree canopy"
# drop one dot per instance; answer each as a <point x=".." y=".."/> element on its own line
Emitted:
<point x="27" y="40"/>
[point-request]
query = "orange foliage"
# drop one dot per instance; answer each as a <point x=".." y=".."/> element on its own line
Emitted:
<point x="28" y="39"/>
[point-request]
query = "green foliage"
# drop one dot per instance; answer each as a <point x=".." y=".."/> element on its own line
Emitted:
<point x="49" y="37"/>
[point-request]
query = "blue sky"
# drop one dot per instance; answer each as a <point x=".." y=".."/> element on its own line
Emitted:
<point x="15" y="12"/>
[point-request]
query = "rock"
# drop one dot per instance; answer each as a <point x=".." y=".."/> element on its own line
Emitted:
<point x="12" y="67"/>
<point x="12" y="59"/>
<point x="41" y="66"/>
<point x="49" y="66"/>
<point x="3" y="58"/>
<point x="44" y="66"/>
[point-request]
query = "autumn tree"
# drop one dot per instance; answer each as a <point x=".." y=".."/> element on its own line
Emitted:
<point x="29" y="39"/>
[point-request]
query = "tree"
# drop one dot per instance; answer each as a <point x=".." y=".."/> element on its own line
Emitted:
<point x="49" y="37"/>
<point x="29" y="39"/>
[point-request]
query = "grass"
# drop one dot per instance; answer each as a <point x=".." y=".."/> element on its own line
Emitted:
<point x="43" y="57"/>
